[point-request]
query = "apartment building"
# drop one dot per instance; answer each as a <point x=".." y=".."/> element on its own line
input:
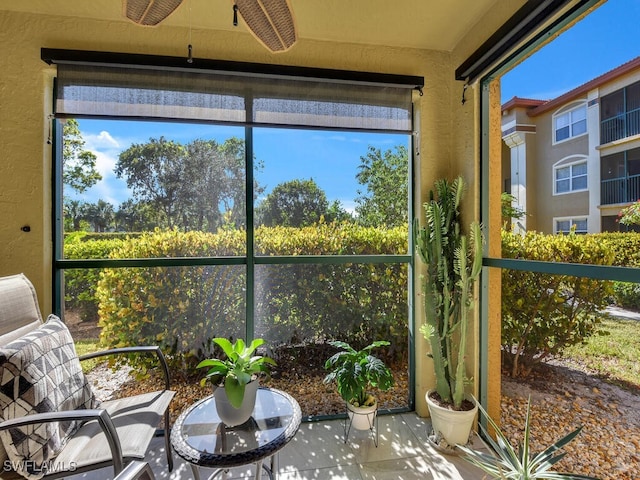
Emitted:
<point x="575" y="160"/>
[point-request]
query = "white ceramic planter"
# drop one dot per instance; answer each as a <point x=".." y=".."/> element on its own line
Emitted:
<point x="230" y="415"/>
<point x="362" y="418"/>
<point x="453" y="425"/>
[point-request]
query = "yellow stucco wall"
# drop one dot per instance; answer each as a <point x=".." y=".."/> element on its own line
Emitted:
<point x="448" y="138"/>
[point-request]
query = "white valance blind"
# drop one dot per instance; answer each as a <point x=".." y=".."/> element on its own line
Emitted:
<point x="230" y="98"/>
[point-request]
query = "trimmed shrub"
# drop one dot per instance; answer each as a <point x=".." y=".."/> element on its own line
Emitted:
<point x="625" y="247"/>
<point x="183" y="308"/>
<point x="627" y="295"/>
<point x="626" y="253"/>
<point x="80" y="284"/>
<point x="179" y="308"/>
<point x="542" y="314"/>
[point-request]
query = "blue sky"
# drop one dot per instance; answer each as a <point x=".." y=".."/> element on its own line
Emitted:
<point x="330" y="158"/>
<point x="603" y="40"/>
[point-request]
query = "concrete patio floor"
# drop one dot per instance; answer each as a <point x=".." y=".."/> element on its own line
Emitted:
<point x="318" y="451"/>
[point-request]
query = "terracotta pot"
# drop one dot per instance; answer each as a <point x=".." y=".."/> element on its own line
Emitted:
<point x="453" y="425"/>
<point x="362" y="418"/>
<point x="230" y="415"/>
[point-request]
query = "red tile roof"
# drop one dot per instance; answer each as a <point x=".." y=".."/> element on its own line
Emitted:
<point x="543" y="106"/>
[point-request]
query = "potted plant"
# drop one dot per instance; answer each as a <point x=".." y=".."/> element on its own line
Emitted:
<point x="355" y="373"/>
<point x="453" y="263"/>
<point x="238" y="376"/>
<point x="520" y="465"/>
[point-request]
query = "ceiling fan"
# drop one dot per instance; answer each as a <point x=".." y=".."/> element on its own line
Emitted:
<point x="269" y="21"/>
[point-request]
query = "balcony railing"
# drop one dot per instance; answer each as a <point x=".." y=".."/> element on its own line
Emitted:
<point x="621" y="126"/>
<point x="620" y="190"/>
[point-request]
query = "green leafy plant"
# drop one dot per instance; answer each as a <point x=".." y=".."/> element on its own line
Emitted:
<point x="453" y="263"/>
<point x="356" y="371"/>
<point x="239" y="368"/>
<point x="543" y="314"/>
<point x="521" y="464"/>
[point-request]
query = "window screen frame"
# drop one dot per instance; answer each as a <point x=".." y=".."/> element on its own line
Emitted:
<point x="251" y="259"/>
<point x="624" y="274"/>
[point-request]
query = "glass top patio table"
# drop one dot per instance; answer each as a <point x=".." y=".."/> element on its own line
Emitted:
<point x="200" y="437"/>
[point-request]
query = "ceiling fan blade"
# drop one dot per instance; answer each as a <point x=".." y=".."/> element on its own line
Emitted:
<point x="270" y="21"/>
<point x="149" y="12"/>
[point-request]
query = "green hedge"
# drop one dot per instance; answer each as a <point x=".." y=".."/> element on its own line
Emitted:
<point x="182" y="308"/>
<point x="541" y="313"/>
<point x="80" y="284"/>
<point x="626" y="253"/>
<point x="625" y="247"/>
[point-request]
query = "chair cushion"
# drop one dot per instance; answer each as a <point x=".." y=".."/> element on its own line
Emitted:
<point x="40" y="372"/>
<point x="135" y="418"/>
<point x="19" y="311"/>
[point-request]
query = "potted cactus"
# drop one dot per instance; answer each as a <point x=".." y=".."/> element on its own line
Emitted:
<point x="453" y="261"/>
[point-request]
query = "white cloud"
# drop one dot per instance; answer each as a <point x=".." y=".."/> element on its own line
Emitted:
<point x="102" y="141"/>
<point x="105" y="163"/>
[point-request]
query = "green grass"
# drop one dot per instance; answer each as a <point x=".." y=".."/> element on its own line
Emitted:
<point x="88" y="346"/>
<point x="614" y="355"/>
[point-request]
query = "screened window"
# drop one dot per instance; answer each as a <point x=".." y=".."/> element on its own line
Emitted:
<point x="620" y="177"/>
<point x="256" y="207"/>
<point x="571" y="178"/>
<point x="620" y="114"/>
<point x="570" y="124"/>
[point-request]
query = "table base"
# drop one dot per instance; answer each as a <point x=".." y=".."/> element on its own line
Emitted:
<point x="260" y="466"/>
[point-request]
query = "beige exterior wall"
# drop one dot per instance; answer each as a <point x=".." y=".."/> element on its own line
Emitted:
<point x="541" y="155"/>
<point x="548" y="204"/>
<point x="448" y="138"/>
<point x="543" y="207"/>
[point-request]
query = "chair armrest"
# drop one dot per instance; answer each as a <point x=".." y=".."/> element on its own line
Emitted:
<point x="141" y="349"/>
<point x="103" y="418"/>
<point x="136" y="470"/>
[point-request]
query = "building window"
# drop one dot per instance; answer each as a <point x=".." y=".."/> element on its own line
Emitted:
<point x="620" y="114"/>
<point x="566" y="225"/>
<point x="570" y="178"/>
<point x="570" y="124"/>
<point x="620" y="177"/>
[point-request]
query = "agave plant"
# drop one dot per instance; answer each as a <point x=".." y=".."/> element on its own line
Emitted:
<point x="239" y="368"/>
<point x="523" y="464"/>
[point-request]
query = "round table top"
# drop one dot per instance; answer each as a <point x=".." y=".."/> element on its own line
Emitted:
<point x="200" y="437"/>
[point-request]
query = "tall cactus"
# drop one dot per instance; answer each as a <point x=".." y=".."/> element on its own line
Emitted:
<point x="453" y="264"/>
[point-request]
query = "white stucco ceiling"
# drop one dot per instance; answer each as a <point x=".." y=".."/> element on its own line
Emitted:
<point x="423" y="24"/>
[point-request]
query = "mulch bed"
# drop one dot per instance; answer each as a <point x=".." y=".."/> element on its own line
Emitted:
<point x="300" y="372"/>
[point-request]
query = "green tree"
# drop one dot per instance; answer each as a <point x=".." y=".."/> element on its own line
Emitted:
<point x="78" y="164"/>
<point x="509" y="212"/>
<point x="336" y="212"/>
<point x="296" y="203"/>
<point x="135" y="217"/>
<point x="101" y="215"/>
<point x="386" y="178"/>
<point x="198" y="186"/>
<point x="155" y="172"/>
<point x="216" y="176"/>
<point x="75" y="213"/>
